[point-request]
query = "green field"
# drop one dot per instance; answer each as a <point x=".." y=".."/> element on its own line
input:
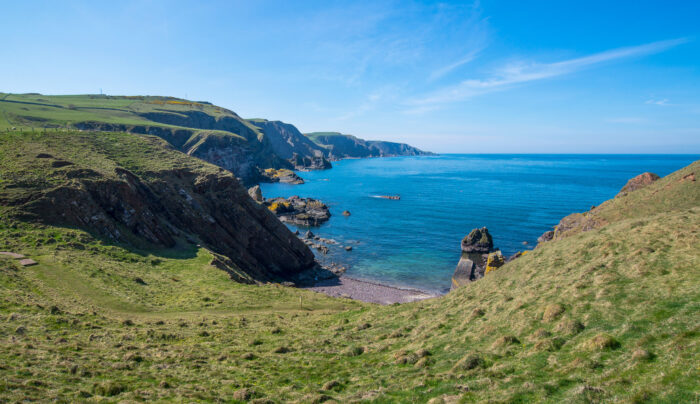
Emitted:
<point x="608" y="315"/>
<point x="37" y="112"/>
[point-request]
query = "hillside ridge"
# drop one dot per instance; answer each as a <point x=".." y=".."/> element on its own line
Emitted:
<point x="200" y="129"/>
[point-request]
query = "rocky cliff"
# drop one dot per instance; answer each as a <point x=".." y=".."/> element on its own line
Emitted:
<point x="337" y="146"/>
<point x="134" y="190"/>
<point x="288" y="143"/>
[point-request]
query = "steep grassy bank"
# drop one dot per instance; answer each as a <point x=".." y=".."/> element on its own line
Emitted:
<point x="606" y="315"/>
<point x="136" y="191"/>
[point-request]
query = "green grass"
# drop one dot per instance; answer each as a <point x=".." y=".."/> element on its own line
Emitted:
<point x="608" y="315"/>
<point x="26" y="112"/>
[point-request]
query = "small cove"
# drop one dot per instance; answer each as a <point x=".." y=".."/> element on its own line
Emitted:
<point x="414" y="242"/>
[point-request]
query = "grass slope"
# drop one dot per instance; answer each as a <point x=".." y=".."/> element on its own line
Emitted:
<point x="608" y="315"/>
<point x="38" y="111"/>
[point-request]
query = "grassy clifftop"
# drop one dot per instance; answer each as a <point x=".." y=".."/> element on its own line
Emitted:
<point x="25" y="111"/>
<point x="200" y="129"/>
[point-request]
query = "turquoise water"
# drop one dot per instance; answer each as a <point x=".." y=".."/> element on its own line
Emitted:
<point x="415" y="241"/>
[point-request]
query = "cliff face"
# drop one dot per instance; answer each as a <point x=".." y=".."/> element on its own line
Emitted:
<point x="337" y="146"/>
<point x="245" y="155"/>
<point x="182" y="200"/>
<point x="288" y="143"/>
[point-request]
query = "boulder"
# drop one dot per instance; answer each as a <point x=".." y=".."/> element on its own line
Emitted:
<point x="638" y="182"/>
<point x="478" y="241"/>
<point x="309" y="235"/>
<point x="546" y="236"/>
<point x="256" y="193"/>
<point x="494" y="261"/>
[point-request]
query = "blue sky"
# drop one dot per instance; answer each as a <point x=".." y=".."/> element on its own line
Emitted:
<point x="489" y="76"/>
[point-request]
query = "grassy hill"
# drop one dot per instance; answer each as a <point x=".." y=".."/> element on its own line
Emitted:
<point x="607" y="315"/>
<point x="135" y="190"/>
<point x="26" y="111"/>
<point x="200" y="129"/>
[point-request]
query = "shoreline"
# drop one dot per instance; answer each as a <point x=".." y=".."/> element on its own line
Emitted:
<point x="368" y="291"/>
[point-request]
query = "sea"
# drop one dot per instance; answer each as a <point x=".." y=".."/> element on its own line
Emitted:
<point x="414" y="242"/>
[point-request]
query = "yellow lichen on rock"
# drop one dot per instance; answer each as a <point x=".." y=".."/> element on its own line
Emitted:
<point x="494" y="261"/>
<point x="277" y="206"/>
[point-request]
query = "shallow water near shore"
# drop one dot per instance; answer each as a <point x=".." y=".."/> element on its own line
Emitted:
<point x="414" y="242"/>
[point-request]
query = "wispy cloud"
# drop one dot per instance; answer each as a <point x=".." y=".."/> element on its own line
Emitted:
<point x="436" y="74"/>
<point x="518" y="73"/>
<point x="657" y="102"/>
<point x="369" y="103"/>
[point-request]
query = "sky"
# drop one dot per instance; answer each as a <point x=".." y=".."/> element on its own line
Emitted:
<point x="460" y="77"/>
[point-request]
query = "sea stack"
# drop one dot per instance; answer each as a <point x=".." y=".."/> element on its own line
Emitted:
<point x="476" y="247"/>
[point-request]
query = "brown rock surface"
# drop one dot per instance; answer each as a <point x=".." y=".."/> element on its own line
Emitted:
<point x="640" y="181"/>
<point x="11" y="254"/>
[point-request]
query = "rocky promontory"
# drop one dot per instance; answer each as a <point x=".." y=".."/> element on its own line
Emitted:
<point x="338" y="146"/>
<point x="592" y="219"/>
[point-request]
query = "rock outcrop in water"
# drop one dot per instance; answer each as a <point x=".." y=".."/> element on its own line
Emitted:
<point x="472" y="265"/>
<point x="299" y="211"/>
<point x="281" y="175"/>
<point x="478" y="241"/>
